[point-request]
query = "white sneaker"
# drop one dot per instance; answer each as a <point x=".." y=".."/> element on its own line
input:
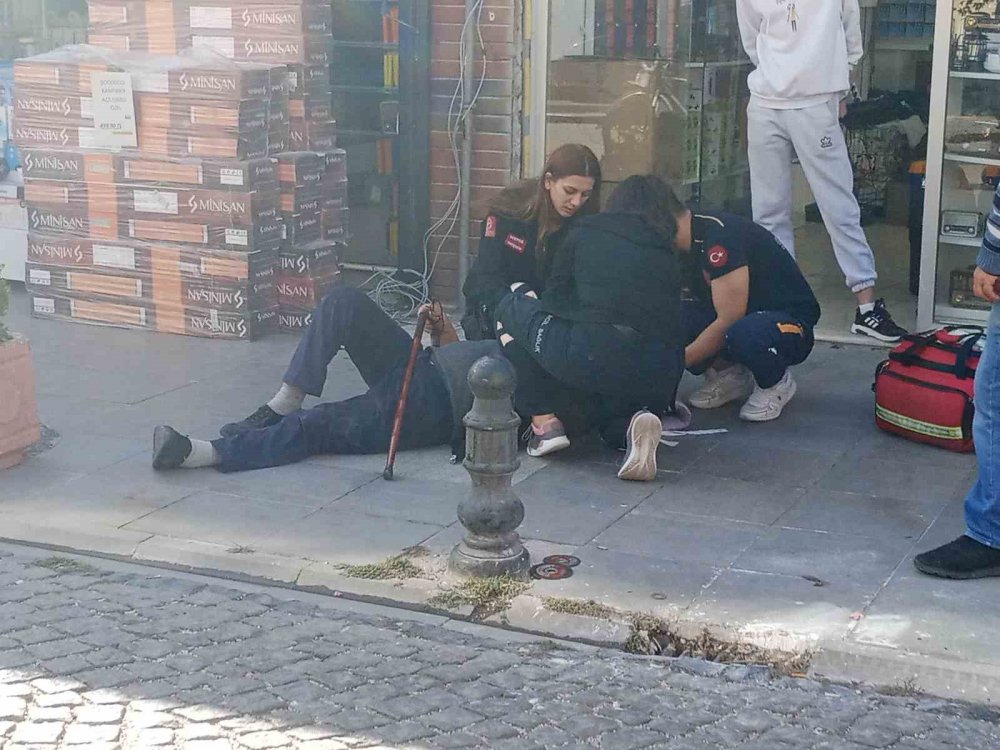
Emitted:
<point x="766" y="404"/>
<point x="720" y="388"/>
<point x="642" y="439"/>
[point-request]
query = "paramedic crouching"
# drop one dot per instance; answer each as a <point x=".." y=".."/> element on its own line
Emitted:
<point x="755" y="314"/>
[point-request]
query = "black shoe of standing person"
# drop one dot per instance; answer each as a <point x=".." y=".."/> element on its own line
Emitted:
<point x="170" y="448"/>
<point x="878" y="324"/>
<point x="265" y="416"/>
<point x="961" y="558"/>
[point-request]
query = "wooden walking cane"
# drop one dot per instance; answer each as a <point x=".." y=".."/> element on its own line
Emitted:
<point x="404" y="393"/>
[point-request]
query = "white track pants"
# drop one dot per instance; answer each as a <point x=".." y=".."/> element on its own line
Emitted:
<point x="814" y="135"/>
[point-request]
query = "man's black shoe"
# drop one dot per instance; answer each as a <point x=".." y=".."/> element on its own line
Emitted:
<point x="878" y="324"/>
<point x="265" y="416"/>
<point x="170" y="448"/>
<point x="962" y="558"/>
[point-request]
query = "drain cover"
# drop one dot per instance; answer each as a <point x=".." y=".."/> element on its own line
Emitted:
<point x="568" y="560"/>
<point x="547" y="571"/>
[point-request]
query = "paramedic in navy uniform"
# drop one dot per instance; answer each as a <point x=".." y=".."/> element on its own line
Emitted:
<point x="754" y="316"/>
<point x="976" y="554"/>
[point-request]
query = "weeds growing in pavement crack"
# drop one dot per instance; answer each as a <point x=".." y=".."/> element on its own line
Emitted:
<point x="392" y="568"/>
<point x="654" y="636"/>
<point x="487" y="596"/>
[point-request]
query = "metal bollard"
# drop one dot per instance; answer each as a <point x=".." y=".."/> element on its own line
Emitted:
<point x="491" y="512"/>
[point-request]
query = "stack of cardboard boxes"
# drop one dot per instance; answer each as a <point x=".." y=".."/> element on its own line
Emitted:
<point x="234" y="175"/>
<point x="314" y="224"/>
<point x="295" y="33"/>
<point x="180" y="235"/>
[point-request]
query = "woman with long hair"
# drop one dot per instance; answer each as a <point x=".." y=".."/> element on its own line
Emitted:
<point x="522" y="230"/>
<point x="608" y="327"/>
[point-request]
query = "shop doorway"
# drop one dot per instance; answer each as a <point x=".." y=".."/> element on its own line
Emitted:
<point x="660" y="86"/>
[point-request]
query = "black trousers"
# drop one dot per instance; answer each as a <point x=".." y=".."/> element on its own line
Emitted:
<point x="379" y="348"/>
<point x="617" y="370"/>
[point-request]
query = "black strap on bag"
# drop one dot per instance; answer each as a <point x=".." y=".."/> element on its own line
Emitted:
<point x="962" y="369"/>
<point x="962" y="350"/>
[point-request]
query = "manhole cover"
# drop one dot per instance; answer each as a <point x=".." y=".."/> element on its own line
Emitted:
<point x="550" y="571"/>
<point x="568" y="560"/>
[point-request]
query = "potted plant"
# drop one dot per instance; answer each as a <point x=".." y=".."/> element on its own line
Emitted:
<point x="19" y="426"/>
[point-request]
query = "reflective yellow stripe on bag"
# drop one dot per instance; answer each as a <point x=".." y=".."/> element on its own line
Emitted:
<point x="915" y="425"/>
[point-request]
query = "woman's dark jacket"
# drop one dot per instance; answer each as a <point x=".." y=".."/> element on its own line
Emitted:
<point x="507" y="255"/>
<point x="615" y="268"/>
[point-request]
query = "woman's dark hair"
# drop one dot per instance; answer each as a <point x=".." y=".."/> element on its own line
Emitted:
<point x="652" y="200"/>
<point x="528" y="200"/>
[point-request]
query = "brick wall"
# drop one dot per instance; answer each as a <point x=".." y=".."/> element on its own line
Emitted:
<point x="495" y="128"/>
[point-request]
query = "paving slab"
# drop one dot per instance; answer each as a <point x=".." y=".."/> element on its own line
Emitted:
<point x="861" y="515"/>
<point x="779" y="611"/>
<point x="681" y="537"/>
<point x="828" y="557"/>
<point x="957" y="623"/>
<point x="719" y="497"/>
<point x="631" y="583"/>
<point x="220" y="518"/>
<point x="345" y="536"/>
<point x="772" y="464"/>
<point x="407" y="497"/>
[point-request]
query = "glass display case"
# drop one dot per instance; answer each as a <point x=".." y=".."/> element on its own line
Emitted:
<point x="652" y="86"/>
<point x="963" y="166"/>
<point x="379" y="73"/>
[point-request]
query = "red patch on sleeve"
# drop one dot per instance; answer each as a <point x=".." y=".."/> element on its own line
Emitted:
<point x="717" y="256"/>
<point x="515" y="243"/>
<point x="491" y="227"/>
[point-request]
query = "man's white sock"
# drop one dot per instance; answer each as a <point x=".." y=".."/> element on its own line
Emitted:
<point x="287" y="399"/>
<point x="202" y="454"/>
<point x="866" y="308"/>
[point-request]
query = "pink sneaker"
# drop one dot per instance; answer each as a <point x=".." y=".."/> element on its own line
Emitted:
<point x="548" y="438"/>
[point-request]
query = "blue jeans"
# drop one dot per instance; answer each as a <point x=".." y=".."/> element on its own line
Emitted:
<point x="379" y="348"/>
<point x="982" y="504"/>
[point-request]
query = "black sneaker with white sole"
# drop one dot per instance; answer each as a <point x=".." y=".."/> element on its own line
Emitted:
<point x="878" y="324"/>
<point x="265" y="416"/>
<point x="170" y="448"/>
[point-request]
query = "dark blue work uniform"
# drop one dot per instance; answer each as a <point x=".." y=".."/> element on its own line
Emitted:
<point x="347" y="319"/>
<point x="782" y="310"/>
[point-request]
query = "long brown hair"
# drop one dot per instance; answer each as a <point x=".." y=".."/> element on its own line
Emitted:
<point x="528" y="200"/>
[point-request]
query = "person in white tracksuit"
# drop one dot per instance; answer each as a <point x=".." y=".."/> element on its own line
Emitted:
<point x="803" y="51"/>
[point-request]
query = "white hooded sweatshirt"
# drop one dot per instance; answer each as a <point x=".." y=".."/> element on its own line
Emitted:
<point x="802" y="49"/>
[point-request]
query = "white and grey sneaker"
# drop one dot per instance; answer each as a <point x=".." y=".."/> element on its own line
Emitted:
<point x="720" y="388"/>
<point x="641" y="441"/>
<point x="878" y="324"/>
<point x="547" y="439"/>
<point x="766" y="404"/>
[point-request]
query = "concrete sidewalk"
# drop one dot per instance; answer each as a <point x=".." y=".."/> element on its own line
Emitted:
<point x="795" y="535"/>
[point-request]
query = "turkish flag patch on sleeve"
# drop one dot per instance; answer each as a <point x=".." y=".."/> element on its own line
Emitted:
<point x="717" y="256"/>
<point x="515" y="243"/>
<point x="491" y="227"/>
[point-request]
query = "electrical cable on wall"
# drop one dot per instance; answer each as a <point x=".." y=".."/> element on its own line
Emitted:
<point x="399" y="298"/>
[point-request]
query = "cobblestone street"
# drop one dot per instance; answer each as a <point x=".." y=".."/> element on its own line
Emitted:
<point x="96" y="656"/>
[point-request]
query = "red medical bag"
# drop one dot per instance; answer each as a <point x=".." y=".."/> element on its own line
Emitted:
<point x="924" y="390"/>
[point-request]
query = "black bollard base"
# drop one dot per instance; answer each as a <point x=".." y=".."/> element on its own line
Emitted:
<point x="466" y="561"/>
